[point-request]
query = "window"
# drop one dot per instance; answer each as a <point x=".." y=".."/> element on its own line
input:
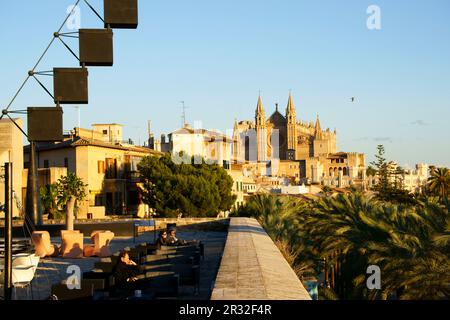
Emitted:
<point x="111" y="168"/>
<point x="46" y="164"/>
<point x="98" y="200"/>
<point x="101" y="166"/>
<point x="105" y="132"/>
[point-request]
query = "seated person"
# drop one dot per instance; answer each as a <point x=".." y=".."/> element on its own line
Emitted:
<point x="126" y="270"/>
<point x="162" y="239"/>
<point x="172" y="239"/>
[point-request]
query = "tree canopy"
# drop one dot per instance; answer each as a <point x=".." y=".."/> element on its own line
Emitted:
<point x="439" y="182"/>
<point x="194" y="190"/>
<point x="70" y="186"/>
<point x="390" y="180"/>
<point x="335" y="239"/>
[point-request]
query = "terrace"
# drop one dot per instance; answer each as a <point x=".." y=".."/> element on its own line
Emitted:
<point x="240" y="262"/>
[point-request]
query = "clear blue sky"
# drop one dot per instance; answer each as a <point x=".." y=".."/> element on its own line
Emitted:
<point x="216" y="56"/>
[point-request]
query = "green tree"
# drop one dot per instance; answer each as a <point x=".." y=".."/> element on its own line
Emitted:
<point x="354" y="231"/>
<point x="195" y="190"/>
<point x="71" y="189"/>
<point x="341" y="236"/>
<point x="439" y="182"/>
<point x="327" y="191"/>
<point x="371" y="171"/>
<point x="399" y="174"/>
<point x="49" y="200"/>
<point x="382" y="171"/>
<point x="390" y="180"/>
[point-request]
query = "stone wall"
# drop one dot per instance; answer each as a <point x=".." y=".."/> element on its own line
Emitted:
<point x="252" y="267"/>
<point x="210" y="224"/>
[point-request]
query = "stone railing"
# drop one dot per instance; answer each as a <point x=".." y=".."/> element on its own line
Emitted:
<point x="252" y="267"/>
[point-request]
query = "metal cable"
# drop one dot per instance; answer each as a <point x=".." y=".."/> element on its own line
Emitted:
<point x="39" y="60"/>
<point x="95" y="11"/>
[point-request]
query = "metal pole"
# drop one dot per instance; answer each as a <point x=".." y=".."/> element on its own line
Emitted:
<point x="32" y="206"/>
<point x="8" y="232"/>
<point x="78" y="117"/>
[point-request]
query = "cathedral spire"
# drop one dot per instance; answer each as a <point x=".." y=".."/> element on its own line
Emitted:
<point x="291" y="117"/>
<point x="290" y="110"/>
<point x="318" y="129"/>
<point x="260" y="115"/>
<point x="261" y="134"/>
<point x="290" y="105"/>
<point x="260" y="106"/>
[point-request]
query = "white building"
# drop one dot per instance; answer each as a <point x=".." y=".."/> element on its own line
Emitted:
<point x="210" y="145"/>
<point x="412" y="180"/>
<point x="415" y="180"/>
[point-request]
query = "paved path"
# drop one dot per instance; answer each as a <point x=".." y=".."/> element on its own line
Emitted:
<point x="54" y="270"/>
<point x="253" y="268"/>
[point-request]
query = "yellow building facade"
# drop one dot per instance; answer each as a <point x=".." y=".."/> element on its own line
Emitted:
<point x="11" y="146"/>
<point x="108" y="168"/>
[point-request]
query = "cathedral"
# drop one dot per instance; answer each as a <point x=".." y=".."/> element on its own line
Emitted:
<point x="298" y="144"/>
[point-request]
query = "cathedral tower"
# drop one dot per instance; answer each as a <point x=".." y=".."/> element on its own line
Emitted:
<point x="261" y="135"/>
<point x="291" y="118"/>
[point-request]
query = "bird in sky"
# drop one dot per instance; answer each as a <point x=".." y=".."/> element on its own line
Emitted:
<point x="353" y="99"/>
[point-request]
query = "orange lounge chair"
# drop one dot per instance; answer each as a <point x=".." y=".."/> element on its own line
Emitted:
<point x="100" y="248"/>
<point x="71" y="244"/>
<point x="42" y="244"/>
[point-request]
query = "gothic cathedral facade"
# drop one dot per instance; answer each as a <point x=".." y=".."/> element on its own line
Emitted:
<point x="286" y="139"/>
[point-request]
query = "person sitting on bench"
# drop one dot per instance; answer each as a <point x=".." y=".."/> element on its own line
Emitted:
<point x="162" y="239"/>
<point x="126" y="270"/>
<point x="172" y="239"/>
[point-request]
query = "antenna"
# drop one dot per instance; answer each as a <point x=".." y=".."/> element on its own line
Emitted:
<point x="149" y="128"/>
<point x="183" y="115"/>
<point x="78" y="110"/>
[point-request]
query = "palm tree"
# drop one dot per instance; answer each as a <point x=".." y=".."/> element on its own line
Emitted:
<point x="341" y="229"/>
<point x="348" y="233"/>
<point x="415" y="258"/>
<point x="439" y="182"/>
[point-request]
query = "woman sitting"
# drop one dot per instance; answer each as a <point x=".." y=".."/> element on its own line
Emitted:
<point x="162" y="239"/>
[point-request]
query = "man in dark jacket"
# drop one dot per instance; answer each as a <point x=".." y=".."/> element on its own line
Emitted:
<point x="126" y="270"/>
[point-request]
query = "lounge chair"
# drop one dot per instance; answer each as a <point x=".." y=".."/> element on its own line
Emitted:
<point x="101" y="246"/>
<point x="71" y="244"/>
<point x="42" y="244"/>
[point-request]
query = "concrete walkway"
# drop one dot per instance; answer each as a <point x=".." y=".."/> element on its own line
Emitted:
<point x="253" y="268"/>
